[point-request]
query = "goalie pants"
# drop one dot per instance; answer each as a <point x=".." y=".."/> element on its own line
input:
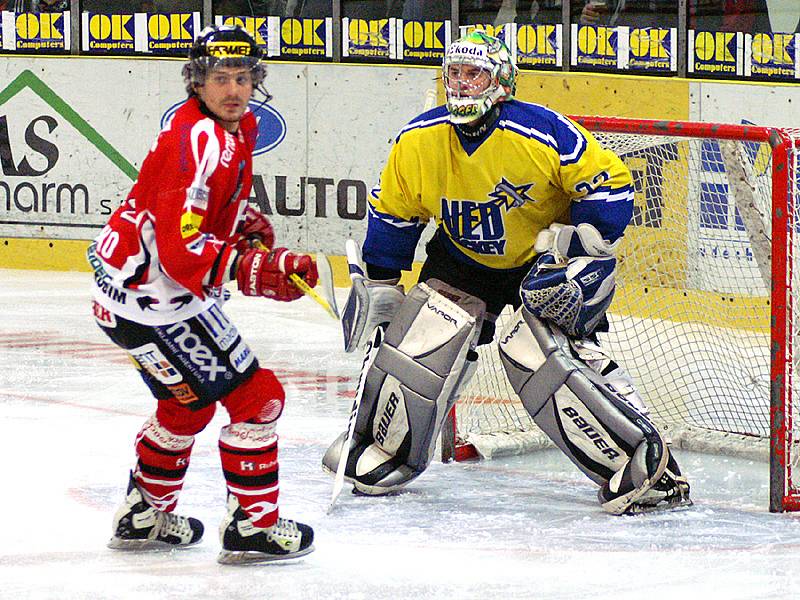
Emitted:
<point x="189" y="366"/>
<point x="497" y="288"/>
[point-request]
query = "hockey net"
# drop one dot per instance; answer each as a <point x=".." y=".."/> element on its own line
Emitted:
<point x="705" y="267"/>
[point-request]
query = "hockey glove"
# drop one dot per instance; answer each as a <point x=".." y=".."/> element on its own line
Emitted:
<point x="572" y="282"/>
<point x="370" y="303"/>
<point x="255" y="228"/>
<point x="261" y="273"/>
<point x="573" y="295"/>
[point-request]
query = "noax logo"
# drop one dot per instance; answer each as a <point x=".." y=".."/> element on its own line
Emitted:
<point x="225" y="49"/>
<point x="271" y="125"/>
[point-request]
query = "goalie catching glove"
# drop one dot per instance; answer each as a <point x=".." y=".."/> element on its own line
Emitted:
<point x="261" y="273"/>
<point x="572" y="282"/>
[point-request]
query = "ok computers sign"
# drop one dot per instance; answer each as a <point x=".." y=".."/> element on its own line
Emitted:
<point x="271" y="125"/>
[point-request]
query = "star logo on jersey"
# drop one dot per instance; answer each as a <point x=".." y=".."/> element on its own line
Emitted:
<point x="509" y="196"/>
<point x="480" y="225"/>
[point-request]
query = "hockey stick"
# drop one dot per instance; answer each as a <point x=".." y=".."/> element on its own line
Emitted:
<point x="369" y="357"/>
<point x="325" y="278"/>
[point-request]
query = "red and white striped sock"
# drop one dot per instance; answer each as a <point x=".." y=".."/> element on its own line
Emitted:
<point x="249" y="453"/>
<point x="163" y="458"/>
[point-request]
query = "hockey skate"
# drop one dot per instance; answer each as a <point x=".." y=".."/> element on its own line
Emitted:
<point x="671" y="491"/>
<point x="243" y="542"/>
<point x="139" y="526"/>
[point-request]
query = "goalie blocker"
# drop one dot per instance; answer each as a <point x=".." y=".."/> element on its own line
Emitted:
<point x="589" y="418"/>
<point x="410" y="388"/>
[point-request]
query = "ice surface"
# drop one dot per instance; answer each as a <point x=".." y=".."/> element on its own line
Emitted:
<point x="523" y="527"/>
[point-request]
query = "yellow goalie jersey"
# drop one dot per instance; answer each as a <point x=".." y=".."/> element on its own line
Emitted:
<point x="490" y="198"/>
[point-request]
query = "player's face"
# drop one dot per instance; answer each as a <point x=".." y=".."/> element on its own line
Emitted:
<point x="226" y="92"/>
<point x="465" y="80"/>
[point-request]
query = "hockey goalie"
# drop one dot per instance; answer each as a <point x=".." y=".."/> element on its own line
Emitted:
<point x="529" y="211"/>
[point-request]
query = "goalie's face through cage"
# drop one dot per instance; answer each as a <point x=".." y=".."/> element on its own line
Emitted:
<point x="477" y="73"/>
<point x="224" y="69"/>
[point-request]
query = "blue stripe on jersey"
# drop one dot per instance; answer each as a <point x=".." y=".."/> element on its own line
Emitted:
<point x="610" y="217"/>
<point x="429" y="118"/>
<point x="390" y="242"/>
<point x="608" y="194"/>
<point x="546" y="126"/>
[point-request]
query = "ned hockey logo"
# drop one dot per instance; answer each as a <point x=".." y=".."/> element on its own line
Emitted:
<point x="480" y="226"/>
<point x="271" y="125"/>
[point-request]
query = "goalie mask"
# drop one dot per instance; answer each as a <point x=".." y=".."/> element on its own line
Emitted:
<point x="224" y="46"/>
<point x="478" y="73"/>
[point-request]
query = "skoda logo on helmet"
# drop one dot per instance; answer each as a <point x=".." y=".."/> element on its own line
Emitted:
<point x="271" y="125"/>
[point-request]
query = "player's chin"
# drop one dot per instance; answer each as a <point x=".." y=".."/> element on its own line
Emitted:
<point x="232" y="112"/>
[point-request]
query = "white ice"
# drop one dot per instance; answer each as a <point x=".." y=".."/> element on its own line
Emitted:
<point x="523" y="527"/>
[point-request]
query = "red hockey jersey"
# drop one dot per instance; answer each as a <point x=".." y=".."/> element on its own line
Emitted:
<point x="167" y="250"/>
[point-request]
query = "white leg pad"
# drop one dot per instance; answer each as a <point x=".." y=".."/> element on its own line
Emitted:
<point x="410" y="387"/>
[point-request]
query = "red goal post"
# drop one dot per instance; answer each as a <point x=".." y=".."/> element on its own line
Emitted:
<point x="704" y="317"/>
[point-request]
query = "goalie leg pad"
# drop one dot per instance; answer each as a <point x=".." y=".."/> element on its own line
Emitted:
<point x="583" y="413"/>
<point x="410" y="387"/>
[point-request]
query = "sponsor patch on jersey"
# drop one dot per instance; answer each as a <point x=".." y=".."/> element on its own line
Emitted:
<point x="103" y="316"/>
<point x="241" y="357"/>
<point x="219" y="327"/>
<point x="152" y="360"/>
<point x="182" y="393"/>
<point x="480" y="225"/>
<point x="200" y="355"/>
<point x="190" y="224"/>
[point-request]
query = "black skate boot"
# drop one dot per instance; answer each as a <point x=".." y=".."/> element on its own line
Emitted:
<point x="243" y="542"/>
<point x="139" y="526"/>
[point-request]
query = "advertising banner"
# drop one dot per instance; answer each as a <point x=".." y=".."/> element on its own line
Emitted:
<point x="306" y="38"/>
<point x="171" y="33"/>
<point x="102" y="32"/>
<point x="369" y="39"/>
<point x="35" y="32"/>
<point x="599" y="47"/>
<point x="646" y="50"/>
<point x="715" y="53"/>
<point x="423" y="41"/>
<point x="265" y="30"/>
<point x="538" y="46"/>
<point x="772" y="56"/>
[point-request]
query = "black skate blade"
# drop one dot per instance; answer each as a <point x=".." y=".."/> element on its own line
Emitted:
<point x="250" y="557"/>
<point x="377" y="493"/>
<point x="117" y="543"/>
<point x="678" y="504"/>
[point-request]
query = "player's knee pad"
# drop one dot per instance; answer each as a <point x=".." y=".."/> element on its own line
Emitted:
<point x="260" y="399"/>
<point x="180" y="419"/>
<point x="578" y="409"/>
<point x="410" y="387"/>
<point x="248" y="435"/>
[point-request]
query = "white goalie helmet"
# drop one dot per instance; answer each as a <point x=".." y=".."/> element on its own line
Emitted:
<point x="478" y="73"/>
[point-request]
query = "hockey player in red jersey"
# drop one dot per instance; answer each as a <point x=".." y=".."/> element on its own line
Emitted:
<point x="159" y="267"/>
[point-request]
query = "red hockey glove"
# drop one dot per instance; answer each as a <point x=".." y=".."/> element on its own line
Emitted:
<point x="261" y="273"/>
<point x="256" y="227"/>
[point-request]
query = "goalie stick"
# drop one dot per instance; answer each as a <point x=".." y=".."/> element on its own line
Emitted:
<point x="370" y="353"/>
<point x="356" y="277"/>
